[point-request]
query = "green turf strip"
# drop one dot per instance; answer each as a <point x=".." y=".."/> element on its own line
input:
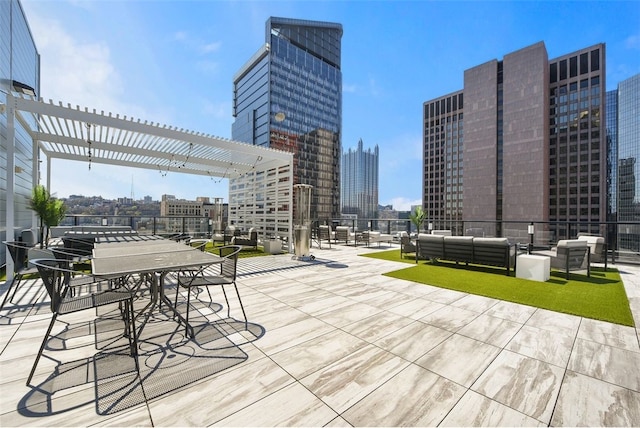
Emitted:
<point x="600" y="297"/>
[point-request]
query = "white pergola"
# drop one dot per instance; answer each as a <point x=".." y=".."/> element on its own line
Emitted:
<point x="74" y="134"/>
<point x="65" y="132"/>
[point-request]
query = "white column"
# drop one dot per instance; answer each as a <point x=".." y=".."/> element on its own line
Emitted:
<point x="11" y="180"/>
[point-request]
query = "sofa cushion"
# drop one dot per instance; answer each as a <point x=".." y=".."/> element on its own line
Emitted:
<point x="458" y="248"/>
<point x="491" y="241"/>
<point x="571" y="243"/>
<point x="441" y="232"/>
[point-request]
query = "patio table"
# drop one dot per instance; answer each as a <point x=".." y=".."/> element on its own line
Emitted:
<point x="137" y="247"/>
<point x="146" y="260"/>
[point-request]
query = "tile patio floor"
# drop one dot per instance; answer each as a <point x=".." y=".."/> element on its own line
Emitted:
<point x="330" y="343"/>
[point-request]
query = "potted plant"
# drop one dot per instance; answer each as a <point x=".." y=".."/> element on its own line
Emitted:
<point x="49" y="210"/>
<point x="417" y="217"/>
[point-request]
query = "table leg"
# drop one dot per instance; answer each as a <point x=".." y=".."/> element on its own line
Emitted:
<point x="154" y="295"/>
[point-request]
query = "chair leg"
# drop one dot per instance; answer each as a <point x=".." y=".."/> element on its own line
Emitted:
<point x="134" y="334"/>
<point x="44" y="342"/>
<point x="17" y="280"/>
<point x="6" y="296"/>
<point x="227" y="301"/>
<point x="246" y="327"/>
<point x="175" y="303"/>
<point x="186" y="327"/>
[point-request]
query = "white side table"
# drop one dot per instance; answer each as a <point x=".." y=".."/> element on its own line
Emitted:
<point x="533" y="267"/>
<point x="273" y="246"/>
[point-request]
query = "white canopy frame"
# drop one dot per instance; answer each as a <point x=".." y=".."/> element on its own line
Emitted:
<point x="70" y="133"/>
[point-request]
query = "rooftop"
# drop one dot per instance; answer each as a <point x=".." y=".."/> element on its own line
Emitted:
<point x="330" y="342"/>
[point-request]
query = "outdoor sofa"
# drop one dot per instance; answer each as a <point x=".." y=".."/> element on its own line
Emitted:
<point x="372" y="237"/>
<point x="467" y="249"/>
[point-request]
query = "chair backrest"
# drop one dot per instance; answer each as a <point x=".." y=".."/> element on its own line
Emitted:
<point x="324" y="232"/>
<point x="596" y="243"/>
<point x="406" y="245"/>
<point x="198" y="245"/>
<point x="342" y="233"/>
<point x="572" y="250"/>
<point x="81" y="243"/>
<point x="54" y="278"/>
<point x="18" y="252"/>
<point x="229" y="265"/>
<point x="68" y="256"/>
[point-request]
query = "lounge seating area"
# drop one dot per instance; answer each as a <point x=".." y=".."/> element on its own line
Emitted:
<point x="467" y="249"/>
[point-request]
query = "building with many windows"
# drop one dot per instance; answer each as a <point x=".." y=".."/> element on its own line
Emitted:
<point x="532" y="147"/>
<point x="288" y="96"/>
<point x="611" y="123"/>
<point x="19" y="73"/>
<point x="628" y="167"/>
<point x="359" y="182"/>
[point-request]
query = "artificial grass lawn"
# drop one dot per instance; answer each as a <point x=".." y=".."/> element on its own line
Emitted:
<point x="600" y="297"/>
<point x="244" y="253"/>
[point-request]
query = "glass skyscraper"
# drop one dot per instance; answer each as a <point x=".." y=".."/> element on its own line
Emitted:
<point x="628" y="171"/>
<point x="359" y="183"/>
<point x="288" y="96"/>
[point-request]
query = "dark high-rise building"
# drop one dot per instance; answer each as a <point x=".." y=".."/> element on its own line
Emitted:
<point x="578" y="149"/>
<point x="288" y="96"/>
<point x="612" y="152"/>
<point x="359" y="183"/>
<point x="443" y="157"/>
<point x="532" y="147"/>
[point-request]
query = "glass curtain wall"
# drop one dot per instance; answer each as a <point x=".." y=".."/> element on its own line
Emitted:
<point x="19" y="63"/>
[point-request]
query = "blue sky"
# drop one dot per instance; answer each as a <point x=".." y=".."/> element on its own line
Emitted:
<point x="173" y="62"/>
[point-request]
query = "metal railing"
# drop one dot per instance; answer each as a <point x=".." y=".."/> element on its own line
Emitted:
<point x="622" y="238"/>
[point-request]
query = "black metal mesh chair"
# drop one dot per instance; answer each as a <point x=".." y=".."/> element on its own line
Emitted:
<point x="18" y="252"/>
<point x="200" y="278"/>
<point x="92" y="294"/>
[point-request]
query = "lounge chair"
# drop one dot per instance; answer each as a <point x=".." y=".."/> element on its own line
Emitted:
<point x="249" y="240"/>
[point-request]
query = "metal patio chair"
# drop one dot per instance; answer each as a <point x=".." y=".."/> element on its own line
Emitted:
<point x="199" y="278"/>
<point x="92" y="294"/>
<point x="18" y="252"/>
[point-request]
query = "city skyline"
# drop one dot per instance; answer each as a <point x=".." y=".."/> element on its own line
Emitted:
<point x="173" y="62"/>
